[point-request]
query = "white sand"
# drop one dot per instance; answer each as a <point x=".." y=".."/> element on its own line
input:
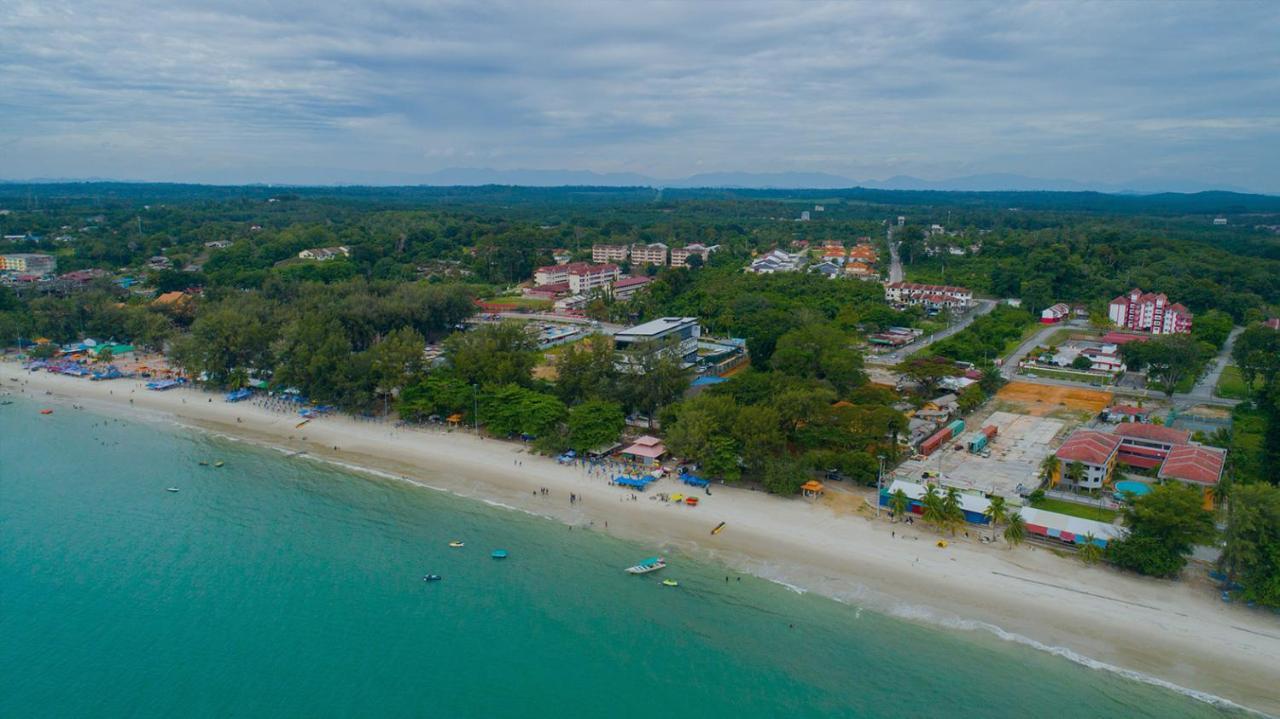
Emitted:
<point x="1178" y="632"/>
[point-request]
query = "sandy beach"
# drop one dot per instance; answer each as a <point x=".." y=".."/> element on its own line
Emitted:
<point x="1175" y="632"/>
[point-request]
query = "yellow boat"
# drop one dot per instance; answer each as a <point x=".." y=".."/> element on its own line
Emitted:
<point x="942" y="543"/>
<point x="719" y="528"/>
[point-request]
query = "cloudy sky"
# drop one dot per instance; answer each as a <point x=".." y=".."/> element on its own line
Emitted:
<point x="322" y="91"/>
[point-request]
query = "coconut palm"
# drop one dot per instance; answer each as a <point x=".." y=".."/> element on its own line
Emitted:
<point x="1075" y="472"/>
<point x="952" y="512"/>
<point x="933" y="513"/>
<point x="899" y="503"/>
<point x="1050" y="465"/>
<point x="1090" y="552"/>
<point x="997" y="512"/>
<point x="1016" y="531"/>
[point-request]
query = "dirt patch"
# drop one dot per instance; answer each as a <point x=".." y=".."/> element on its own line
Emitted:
<point x="1040" y="400"/>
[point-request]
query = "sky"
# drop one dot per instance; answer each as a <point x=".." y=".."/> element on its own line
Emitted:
<point x="322" y="92"/>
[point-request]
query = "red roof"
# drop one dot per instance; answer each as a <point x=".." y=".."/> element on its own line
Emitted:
<point x="1154" y="433"/>
<point x="1273" y="323"/>
<point x="1191" y="463"/>
<point x="1088" y="446"/>
<point x="1127" y="409"/>
<point x="631" y="282"/>
<point x="1137" y="460"/>
<point x="583" y="268"/>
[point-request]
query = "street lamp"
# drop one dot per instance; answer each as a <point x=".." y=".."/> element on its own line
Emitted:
<point x="879" y="481"/>
<point x="475" y="412"/>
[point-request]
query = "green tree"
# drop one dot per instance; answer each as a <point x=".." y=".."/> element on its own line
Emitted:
<point x="493" y="354"/>
<point x="820" y="351"/>
<point x="1081" y="362"/>
<point x="595" y="423"/>
<point x="997" y="512"/>
<point x="1016" y="531"/>
<point x="933" y="510"/>
<point x="1049" y="466"/>
<point x="783" y="476"/>
<point x="1163" y="526"/>
<point x="1075" y="473"/>
<point x="1251" y="553"/>
<point x="928" y="372"/>
<point x="952" y="512"/>
<point x="396" y="361"/>
<point x="656" y="379"/>
<point x="1089" y="552"/>
<point x="440" y="393"/>
<point x="899" y="503"/>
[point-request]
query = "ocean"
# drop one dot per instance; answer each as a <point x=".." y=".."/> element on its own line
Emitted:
<point x="280" y="586"/>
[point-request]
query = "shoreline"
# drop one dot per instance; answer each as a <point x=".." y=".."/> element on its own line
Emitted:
<point x="1175" y="634"/>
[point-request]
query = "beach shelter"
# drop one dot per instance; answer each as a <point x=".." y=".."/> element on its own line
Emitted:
<point x="646" y="450"/>
<point x="454" y="419"/>
<point x="811" y="489"/>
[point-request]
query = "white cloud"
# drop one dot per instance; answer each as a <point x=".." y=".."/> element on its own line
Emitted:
<point x="264" y="90"/>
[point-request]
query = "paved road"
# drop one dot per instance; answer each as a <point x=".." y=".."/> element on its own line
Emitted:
<point x="604" y="327"/>
<point x="1208" y="383"/>
<point x="895" y="262"/>
<point x="1010" y="367"/>
<point x="982" y="307"/>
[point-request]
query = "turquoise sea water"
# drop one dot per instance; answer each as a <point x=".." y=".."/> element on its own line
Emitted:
<point x="282" y="587"/>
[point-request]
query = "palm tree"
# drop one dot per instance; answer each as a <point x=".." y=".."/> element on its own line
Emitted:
<point x="1075" y="472"/>
<point x="1049" y="465"/>
<point x="899" y="503"/>
<point x="996" y="513"/>
<point x="1090" y="552"/>
<point x="1016" y="531"/>
<point x="952" y="513"/>
<point x="933" y="510"/>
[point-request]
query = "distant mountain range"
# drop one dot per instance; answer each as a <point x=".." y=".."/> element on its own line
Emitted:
<point x="475" y="176"/>
<point x="993" y="182"/>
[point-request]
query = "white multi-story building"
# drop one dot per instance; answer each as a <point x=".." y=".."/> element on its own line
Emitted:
<point x="1149" y="312"/>
<point x="677" y="336"/>
<point x="29" y="263"/>
<point x="553" y="274"/>
<point x="651" y="254"/>
<point x="583" y="277"/>
<point x="610" y="253"/>
<point x="680" y="255"/>
<point x="325" y="253"/>
<point x="910" y="293"/>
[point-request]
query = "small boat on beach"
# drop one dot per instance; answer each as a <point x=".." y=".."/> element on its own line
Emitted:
<point x="432" y="578"/>
<point x="499" y="554"/>
<point x="719" y="528"/>
<point x="670" y="583"/>
<point x="457" y="544"/>
<point x="652" y="564"/>
<point x="170" y="489"/>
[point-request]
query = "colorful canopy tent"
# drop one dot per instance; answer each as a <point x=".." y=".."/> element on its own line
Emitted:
<point x="812" y="488"/>
<point x="454" y="419"/>
<point x="694" y="481"/>
<point x="640" y="483"/>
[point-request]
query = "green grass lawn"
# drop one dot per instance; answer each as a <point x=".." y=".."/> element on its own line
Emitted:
<point x="1231" y="384"/>
<point x="1063" y="374"/>
<point x="1083" y="511"/>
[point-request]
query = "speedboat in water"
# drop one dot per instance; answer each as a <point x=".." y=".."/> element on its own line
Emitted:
<point x="652" y="564"/>
<point x="457" y="544"/>
<point x="670" y="583"/>
<point x="432" y="578"/>
<point x="170" y="489"/>
<point x="499" y="554"/>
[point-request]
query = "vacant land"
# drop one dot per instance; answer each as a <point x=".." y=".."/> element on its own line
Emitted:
<point x="1040" y="400"/>
<point x="1083" y="511"/>
<point x="1231" y="384"/>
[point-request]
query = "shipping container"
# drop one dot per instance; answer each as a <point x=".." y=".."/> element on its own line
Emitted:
<point x="977" y="444"/>
<point x="928" y="446"/>
<point x="990" y="431"/>
<point x="956" y="427"/>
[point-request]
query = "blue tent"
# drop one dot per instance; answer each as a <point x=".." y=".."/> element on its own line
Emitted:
<point x="634" y="482"/>
<point x="694" y="481"/>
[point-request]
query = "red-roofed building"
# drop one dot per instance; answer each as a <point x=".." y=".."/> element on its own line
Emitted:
<point x="1149" y="312"/>
<point x="910" y="293"/>
<point x="583" y="277"/>
<point x="1096" y="451"/>
<point x="1126" y="413"/>
<point x="1147" y="445"/>
<point x="646" y="450"/>
<point x="625" y="288"/>
<point x="1273" y="324"/>
<point x="1197" y="466"/>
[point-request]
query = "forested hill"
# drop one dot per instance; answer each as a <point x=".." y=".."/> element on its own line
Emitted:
<point x="113" y="193"/>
